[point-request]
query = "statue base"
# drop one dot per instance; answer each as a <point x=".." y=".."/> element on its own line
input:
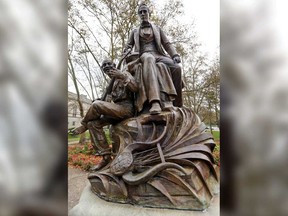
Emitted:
<point x="162" y="161"/>
<point x="92" y="205"/>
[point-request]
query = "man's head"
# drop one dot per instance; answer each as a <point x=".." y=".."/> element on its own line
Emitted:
<point x="143" y="12"/>
<point x="107" y="65"/>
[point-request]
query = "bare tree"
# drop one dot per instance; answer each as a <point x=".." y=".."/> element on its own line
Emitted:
<point x="213" y="92"/>
<point x="74" y="79"/>
<point x="103" y="27"/>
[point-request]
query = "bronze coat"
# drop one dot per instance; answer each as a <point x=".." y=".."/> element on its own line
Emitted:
<point x="162" y="42"/>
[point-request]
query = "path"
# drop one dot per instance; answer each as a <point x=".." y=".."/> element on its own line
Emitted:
<point x="77" y="180"/>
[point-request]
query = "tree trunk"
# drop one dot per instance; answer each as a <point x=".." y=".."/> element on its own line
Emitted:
<point x="72" y="71"/>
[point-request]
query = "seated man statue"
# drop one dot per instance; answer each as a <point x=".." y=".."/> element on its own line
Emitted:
<point x="151" y="43"/>
<point x="155" y="86"/>
<point x="103" y="113"/>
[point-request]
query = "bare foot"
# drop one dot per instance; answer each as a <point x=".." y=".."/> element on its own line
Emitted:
<point x="79" y="130"/>
<point x="155" y="109"/>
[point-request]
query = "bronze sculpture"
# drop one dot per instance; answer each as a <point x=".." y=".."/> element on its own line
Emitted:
<point x="150" y="42"/>
<point x="102" y="113"/>
<point x="162" y="161"/>
<point x="163" y="157"/>
<point x="153" y="86"/>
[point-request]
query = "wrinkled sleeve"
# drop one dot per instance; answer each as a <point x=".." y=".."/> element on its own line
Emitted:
<point x="130" y="82"/>
<point x="130" y="43"/>
<point x="169" y="48"/>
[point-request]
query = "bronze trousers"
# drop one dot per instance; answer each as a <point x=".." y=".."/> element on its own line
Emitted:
<point x="100" y="114"/>
<point x="149" y="60"/>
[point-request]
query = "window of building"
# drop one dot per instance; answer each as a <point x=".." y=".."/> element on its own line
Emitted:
<point x="73" y="123"/>
<point x="74" y="111"/>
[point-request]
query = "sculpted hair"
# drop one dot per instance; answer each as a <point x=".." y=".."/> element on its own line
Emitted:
<point x="143" y="4"/>
<point x="107" y="61"/>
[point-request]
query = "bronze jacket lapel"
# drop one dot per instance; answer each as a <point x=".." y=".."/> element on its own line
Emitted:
<point x="136" y="39"/>
<point x="157" y="37"/>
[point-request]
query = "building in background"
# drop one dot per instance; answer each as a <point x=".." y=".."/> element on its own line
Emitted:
<point x="74" y="117"/>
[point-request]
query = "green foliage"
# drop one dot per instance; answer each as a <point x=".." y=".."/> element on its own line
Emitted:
<point x="70" y="134"/>
<point x="216" y="135"/>
<point x="108" y="137"/>
<point x="72" y="137"/>
<point x="77" y="163"/>
<point x="86" y="149"/>
<point x="82" y="157"/>
<point x="87" y="166"/>
<point x="216" y="153"/>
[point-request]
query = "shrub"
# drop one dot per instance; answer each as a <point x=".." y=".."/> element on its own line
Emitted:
<point x="216" y="153"/>
<point x="82" y="157"/>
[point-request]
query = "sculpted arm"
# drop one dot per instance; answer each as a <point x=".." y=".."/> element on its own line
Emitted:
<point x="126" y="78"/>
<point x="130" y="43"/>
<point x="130" y="82"/>
<point x="167" y="44"/>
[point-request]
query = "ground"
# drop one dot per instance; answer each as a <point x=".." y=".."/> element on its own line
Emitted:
<point x="77" y="180"/>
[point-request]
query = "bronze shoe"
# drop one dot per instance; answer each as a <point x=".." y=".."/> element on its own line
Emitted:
<point x="79" y="130"/>
<point x="106" y="160"/>
<point x="155" y="109"/>
<point x="167" y="106"/>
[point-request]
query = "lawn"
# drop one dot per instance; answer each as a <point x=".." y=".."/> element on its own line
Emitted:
<point x="216" y="152"/>
<point x="72" y="138"/>
<point x="216" y="135"/>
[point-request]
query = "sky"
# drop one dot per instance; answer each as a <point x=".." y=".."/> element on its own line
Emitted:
<point x="206" y="15"/>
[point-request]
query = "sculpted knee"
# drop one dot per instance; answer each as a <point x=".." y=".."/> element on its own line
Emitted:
<point x="150" y="59"/>
<point x="97" y="104"/>
<point x="94" y="124"/>
<point x="89" y="125"/>
<point x="178" y="68"/>
<point x="147" y="57"/>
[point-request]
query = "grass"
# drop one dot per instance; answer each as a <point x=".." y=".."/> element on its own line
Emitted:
<point x="72" y="138"/>
<point x="216" y="152"/>
<point x="77" y="137"/>
<point x="216" y="135"/>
